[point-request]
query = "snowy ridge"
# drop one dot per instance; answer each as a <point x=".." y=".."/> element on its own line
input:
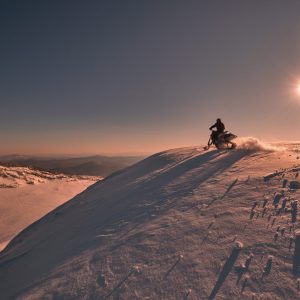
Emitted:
<point x="12" y="177"/>
<point x="162" y="229"/>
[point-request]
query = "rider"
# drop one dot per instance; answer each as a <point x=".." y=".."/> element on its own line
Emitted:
<point x="220" y="129"/>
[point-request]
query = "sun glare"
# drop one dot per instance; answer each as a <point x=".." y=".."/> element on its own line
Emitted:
<point x="298" y="89"/>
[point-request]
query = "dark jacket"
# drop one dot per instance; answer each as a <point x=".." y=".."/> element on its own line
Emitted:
<point x="219" y="126"/>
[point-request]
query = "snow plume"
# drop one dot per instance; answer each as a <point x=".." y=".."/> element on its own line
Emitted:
<point x="252" y="143"/>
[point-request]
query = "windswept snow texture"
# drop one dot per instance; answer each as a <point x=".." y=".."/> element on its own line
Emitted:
<point x="28" y="194"/>
<point x="165" y="228"/>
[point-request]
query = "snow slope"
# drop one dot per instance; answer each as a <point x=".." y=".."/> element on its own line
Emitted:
<point x="27" y="194"/>
<point x="165" y="228"/>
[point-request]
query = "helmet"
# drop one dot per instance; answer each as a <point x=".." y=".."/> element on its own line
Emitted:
<point x="218" y="120"/>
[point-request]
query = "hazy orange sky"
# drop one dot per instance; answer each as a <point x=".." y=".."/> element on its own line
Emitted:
<point x="87" y="77"/>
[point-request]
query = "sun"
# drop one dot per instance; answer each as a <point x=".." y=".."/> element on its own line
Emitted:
<point x="298" y="89"/>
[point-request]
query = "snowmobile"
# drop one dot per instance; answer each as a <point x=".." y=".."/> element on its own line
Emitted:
<point x="222" y="141"/>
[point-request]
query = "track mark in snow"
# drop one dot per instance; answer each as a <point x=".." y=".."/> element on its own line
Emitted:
<point x="230" y="188"/>
<point x="173" y="266"/>
<point x="131" y="272"/>
<point x="272" y="175"/>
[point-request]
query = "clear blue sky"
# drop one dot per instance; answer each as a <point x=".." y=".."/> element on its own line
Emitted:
<point x="139" y="76"/>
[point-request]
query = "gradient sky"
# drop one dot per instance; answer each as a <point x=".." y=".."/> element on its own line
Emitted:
<point x="139" y="76"/>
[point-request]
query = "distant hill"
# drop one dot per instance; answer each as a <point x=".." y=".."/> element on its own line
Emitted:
<point x="97" y="165"/>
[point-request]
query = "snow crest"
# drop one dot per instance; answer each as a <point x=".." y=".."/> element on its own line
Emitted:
<point x="252" y="143"/>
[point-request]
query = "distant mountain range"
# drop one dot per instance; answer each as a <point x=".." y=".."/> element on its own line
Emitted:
<point x="97" y="165"/>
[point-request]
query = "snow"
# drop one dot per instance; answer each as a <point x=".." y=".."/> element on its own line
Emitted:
<point x="181" y="224"/>
<point x="27" y="194"/>
<point x="252" y="143"/>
